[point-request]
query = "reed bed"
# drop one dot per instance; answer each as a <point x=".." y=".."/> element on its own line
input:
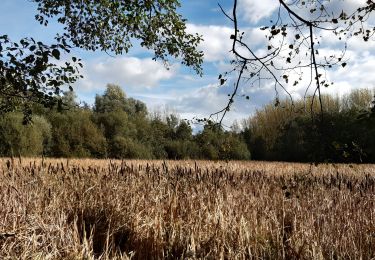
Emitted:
<point x="107" y="209"/>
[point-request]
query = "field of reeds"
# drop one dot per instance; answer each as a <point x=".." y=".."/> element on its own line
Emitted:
<point x="102" y="209"/>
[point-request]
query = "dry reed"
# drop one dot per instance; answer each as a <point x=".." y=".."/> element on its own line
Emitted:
<point x="98" y="209"/>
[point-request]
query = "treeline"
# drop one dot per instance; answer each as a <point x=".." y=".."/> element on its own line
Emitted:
<point x="115" y="127"/>
<point x="344" y="132"/>
<point x="121" y="127"/>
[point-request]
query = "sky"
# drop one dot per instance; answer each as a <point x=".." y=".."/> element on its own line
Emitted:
<point x="179" y="89"/>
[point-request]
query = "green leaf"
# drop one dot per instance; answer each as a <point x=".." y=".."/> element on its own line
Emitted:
<point x="56" y="54"/>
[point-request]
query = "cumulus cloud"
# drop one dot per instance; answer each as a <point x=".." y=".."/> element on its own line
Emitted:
<point x="130" y="72"/>
<point x="206" y="99"/>
<point x="254" y="11"/>
<point x="202" y="101"/>
<point x="217" y="44"/>
<point x="358" y="74"/>
<point x="190" y="100"/>
<point x="209" y="99"/>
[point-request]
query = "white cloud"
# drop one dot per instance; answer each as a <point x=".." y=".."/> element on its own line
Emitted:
<point x="356" y="75"/>
<point x="217" y="43"/>
<point x="255" y="10"/>
<point x="129" y="72"/>
<point x="201" y="102"/>
<point x="190" y="101"/>
<point x="348" y="6"/>
<point x="209" y="99"/>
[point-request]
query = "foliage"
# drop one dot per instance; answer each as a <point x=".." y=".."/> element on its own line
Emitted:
<point x="75" y="135"/>
<point x="120" y="127"/>
<point x="111" y="25"/>
<point x="276" y="133"/>
<point x="29" y="74"/>
<point x="219" y="145"/>
<point x="30" y="71"/>
<point x="17" y="139"/>
<point x="114" y="100"/>
<point x="125" y="147"/>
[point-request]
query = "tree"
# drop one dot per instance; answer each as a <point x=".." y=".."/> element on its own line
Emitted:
<point x="74" y="134"/>
<point x="183" y="131"/>
<point x="69" y="99"/>
<point x="233" y="148"/>
<point x="159" y="132"/>
<point x="28" y="74"/>
<point x="125" y="147"/>
<point x="292" y="54"/>
<point x="29" y="71"/>
<point x="114" y="99"/>
<point x="276" y="133"/>
<point x="216" y="144"/>
<point x="17" y="139"/>
<point x="180" y="144"/>
<point x="114" y="112"/>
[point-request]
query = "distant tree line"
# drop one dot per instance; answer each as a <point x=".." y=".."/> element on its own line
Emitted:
<point x="118" y="126"/>
<point x="288" y="132"/>
<point x="115" y="127"/>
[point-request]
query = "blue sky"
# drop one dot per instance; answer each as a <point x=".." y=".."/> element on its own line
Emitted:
<point x="180" y="89"/>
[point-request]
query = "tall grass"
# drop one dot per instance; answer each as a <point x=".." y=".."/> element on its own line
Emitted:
<point x="98" y="209"/>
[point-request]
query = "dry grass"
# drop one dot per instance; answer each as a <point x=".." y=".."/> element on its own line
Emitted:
<point x="86" y="209"/>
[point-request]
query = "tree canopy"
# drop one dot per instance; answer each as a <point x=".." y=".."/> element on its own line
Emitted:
<point x="30" y="71"/>
<point x="117" y="127"/>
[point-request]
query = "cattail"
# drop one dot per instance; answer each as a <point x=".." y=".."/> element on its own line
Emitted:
<point x="8" y="164"/>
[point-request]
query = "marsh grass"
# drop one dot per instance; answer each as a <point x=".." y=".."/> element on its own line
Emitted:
<point x="102" y="209"/>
